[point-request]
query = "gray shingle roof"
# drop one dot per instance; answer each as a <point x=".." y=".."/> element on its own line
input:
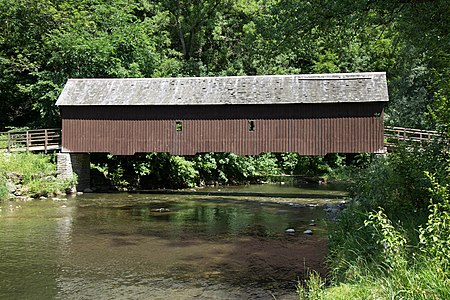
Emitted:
<point x="277" y="89"/>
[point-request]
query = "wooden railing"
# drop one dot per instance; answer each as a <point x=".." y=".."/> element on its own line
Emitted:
<point x="31" y="140"/>
<point x="50" y="139"/>
<point x="401" y="134"/>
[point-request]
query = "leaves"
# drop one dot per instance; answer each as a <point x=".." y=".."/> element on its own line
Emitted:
<point x="434" y="235"/>
<point x="43" y="43"/>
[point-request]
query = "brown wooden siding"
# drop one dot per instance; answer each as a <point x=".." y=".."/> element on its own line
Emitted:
<point x="309" y="129"/>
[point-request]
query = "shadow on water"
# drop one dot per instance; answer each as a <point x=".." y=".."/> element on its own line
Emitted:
<point x="226" y="241"/>
<point x="161" y="246"/>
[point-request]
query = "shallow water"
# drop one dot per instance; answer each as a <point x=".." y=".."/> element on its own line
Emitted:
<point x="123" y="246"/>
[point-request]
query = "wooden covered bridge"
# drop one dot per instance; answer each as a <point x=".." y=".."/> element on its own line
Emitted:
<point x="307" y="114"/>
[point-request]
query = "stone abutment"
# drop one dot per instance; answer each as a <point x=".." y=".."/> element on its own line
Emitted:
<point x="70" y="164"/>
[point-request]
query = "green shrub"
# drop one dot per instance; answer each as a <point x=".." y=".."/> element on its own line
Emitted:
<point x="398" y="182"/>
<point x="35" y="172"/>
<point x="164" y="170"/>
<point x="422" y="280"/>
<point x="435" y="234"/>
<point x="3" y="189"/>
<point x="296" y="164"/>
<point x="392" y="240"/>
<point x="395" y="268"/>
<point x="313" y="288"/>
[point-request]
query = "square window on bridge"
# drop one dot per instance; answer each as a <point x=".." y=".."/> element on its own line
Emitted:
<point x="251" y="125"/>
<point x="179" y="126"/>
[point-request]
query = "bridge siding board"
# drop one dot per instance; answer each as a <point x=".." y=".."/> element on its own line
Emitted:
<point x="309" y="129"/>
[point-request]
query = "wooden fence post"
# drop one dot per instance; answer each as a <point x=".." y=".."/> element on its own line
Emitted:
<point x="9" y="142"/>
<point x="28" y="140"/>
<point x="45" y="141"/>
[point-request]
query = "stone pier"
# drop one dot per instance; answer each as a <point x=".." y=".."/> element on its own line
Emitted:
<point x="70" y="164"/>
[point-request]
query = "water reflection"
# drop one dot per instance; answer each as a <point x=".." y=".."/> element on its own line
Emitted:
<point x="122" y="246"/>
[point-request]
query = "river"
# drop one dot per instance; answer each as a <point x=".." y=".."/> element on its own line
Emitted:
<point x="215" y="243"/>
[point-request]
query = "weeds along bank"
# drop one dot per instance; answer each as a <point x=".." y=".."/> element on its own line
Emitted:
<point x="393" y="241"/>
<point x="25" y="175"/>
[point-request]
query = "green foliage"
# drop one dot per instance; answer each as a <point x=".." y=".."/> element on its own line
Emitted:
<point x="240" y="169"/>
<point x="152" y="170"/>
<point x="392" y="240"/>
<point x="439" y="111"/>
<point x="398" y="182"/>
<point x="389" y="238"/>
<point x="164" y="170"/>
<point x="43" y="43"/>
<point x="313" y="288"/>
<point x="434" y="235"/>
<point x="206" y="165"/>
<point x="295" y="164"/>
<point x="423" y="280"/>
<point x="112" y="169"/>
<point x="161" y="170"/>
<point x="36" y="173"/>
<point x="3" y="189"/>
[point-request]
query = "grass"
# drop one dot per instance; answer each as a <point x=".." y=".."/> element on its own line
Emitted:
<point x="35" y="173"/>
<point x="393" y="241"/>
<point x="3" y="189"/>
<point x="423" y="280"/>
<point x="3" y="141"/>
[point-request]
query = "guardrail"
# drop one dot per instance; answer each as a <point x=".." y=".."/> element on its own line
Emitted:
<point x="401" y="134"/>
<point x="31" y="140"/>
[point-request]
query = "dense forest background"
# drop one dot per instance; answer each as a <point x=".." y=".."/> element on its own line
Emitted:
<point x="45" y="42"/>
<point x="390" y="241"/>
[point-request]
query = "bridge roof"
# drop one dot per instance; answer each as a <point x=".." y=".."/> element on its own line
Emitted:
<point x="276" y="89"/>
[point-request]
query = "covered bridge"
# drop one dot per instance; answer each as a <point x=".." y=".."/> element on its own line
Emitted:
<point x="308" y="114"/>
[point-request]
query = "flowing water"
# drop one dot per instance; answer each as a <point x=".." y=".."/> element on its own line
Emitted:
<point x="216" y="243"/>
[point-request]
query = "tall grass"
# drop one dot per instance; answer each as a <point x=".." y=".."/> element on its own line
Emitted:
<point x="393" y="241"/>
<point x="423" y="280"/>
<point x="34" y="173"/>
<point x="3" y="189"/>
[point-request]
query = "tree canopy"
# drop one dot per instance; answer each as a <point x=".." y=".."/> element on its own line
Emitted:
<point x="45" y="42"/>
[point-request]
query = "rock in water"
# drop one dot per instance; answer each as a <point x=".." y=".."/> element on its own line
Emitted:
<point x="162" y="209"/>
<point x="308" y="232"/>
<point x="290" y="230"/>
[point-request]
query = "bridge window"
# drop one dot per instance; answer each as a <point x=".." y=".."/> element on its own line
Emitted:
<point x="251" y="125"/>
<point x="179" y="126"/>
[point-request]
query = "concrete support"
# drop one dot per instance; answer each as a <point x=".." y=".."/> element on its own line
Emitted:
<point x="69" y="164"/>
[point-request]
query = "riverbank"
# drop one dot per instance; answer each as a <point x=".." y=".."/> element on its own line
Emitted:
<point x="26" y="176"/>
<point x="392" y="240"/>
